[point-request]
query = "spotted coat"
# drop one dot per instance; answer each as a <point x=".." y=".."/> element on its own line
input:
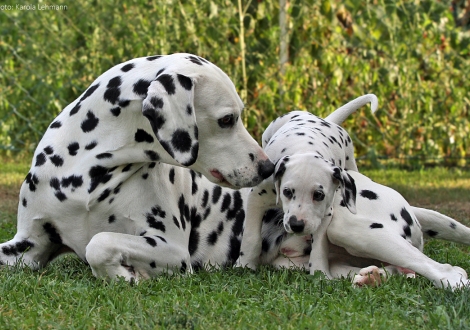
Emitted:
<point x="104" y="165"/>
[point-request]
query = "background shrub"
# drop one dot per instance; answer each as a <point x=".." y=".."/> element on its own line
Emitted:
<point x="411" y="54"/>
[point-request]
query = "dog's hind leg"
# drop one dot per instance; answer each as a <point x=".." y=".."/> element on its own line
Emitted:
<point x="134" y="258"/>
<point x="393" y="249"/>
<point x="437" y="225"/>
<point x="33" y="246"/>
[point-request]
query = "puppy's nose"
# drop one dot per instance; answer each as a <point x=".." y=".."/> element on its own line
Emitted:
<point x="265" y="168"/>
<point x="297" y="226"/>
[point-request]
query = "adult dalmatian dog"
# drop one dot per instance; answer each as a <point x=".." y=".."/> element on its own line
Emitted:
<point x="107" y="179"/>
<point x="381" y="227"/>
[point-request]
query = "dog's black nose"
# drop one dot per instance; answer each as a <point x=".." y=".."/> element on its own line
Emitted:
<point x="265" y="168"/>
<point x="296" y="225"/>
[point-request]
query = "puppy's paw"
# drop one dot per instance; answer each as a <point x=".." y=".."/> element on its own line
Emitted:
<point x="369" y="276"/>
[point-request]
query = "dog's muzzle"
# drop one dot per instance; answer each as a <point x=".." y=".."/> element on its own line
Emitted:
<point x="297" y="226"/>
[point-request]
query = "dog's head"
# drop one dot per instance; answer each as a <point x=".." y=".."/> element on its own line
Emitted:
<point x="306" y="185"/>
<point x="195" y="113"/>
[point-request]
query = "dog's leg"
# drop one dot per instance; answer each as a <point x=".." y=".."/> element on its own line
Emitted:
<point x="320" y="249"/>
<point x="393" y="249"/>
<point x="437" y="225"/>
<point x="259" y="201"/>
<point x="33" y="245"/>
<point x="112" y="255"/>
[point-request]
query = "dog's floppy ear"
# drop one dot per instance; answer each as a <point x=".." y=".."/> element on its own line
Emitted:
<point x="347" y="187"/>
<point x="279" y="170"/>
<point x="169" y="106"/>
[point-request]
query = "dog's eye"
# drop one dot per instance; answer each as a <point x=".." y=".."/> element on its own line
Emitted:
<point x="227" y="121"/>
<point x="287" y="192"/>
<point x="318" y="195"/>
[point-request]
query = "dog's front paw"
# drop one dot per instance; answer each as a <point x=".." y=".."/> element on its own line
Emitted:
<point x="243" y="262"/>
<point x="456" y="277"/>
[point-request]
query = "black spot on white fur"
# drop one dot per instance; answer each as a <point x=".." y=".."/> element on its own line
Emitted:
<point x="141" y="87"/>
<point x="150" y="241"/>
<point x="51" y="231"/>
<point x="75" y="109"/>
<point x="32" y="180"/>
<point x="104" y="155"/>
<point x="74" y="181"/>
<point x="153" y="58"/>
<point x="185" y="82"/>
<point x="168" y="83"/>
<point x="406" y="216"/>
<point x="17" y="248"/>
<point x="89" y="91"/>
<point x="142" y="136"/>
<point x="152" y="155"/>
<point x="181" y="140"/>
<point x="217" y="191"/>
<point x="57" y="160"/>
<point x="369" y="194"/>
<point x="127" y="67"/>
<point x="195" y="60"/>
<point x="116" y="111"/>
<point x="73" y="148"/>
<point x="48" y="150"/>
<point x="113" y="90"/>
<point x="98" y="174"/>
<point x="56" y="124"/>
<point x="40" y="159"/>
<point x="91" y="145"/>
<point x="90" y="123"/>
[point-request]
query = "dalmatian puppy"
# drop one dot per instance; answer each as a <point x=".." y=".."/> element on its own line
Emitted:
<point x="361" y="249"/>
<point x="384" y="237"/>
<point x="319" y="151"/>
<point x="385" y="230"/>
<point x="100" y="178"/>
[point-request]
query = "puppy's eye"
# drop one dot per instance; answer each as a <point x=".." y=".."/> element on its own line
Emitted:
<point x="318" y="195"/>
<point x="227" y="121"/>
<point x="288" y="193"/>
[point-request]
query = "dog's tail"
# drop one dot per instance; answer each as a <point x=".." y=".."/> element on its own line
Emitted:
<point x="339" y="115"/>
<point x="437" y="225"/>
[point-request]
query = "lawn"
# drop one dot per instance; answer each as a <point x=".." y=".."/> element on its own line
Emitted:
<point x="65" y="295"/>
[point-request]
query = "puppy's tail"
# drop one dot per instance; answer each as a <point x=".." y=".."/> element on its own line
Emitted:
<point x="437" y="225"/>
<point x="339" y="115"/>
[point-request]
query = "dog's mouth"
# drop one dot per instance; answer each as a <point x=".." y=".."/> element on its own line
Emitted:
<point x="220" y="178"/>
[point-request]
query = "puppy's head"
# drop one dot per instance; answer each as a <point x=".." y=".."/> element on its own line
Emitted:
<point x="306" y="185"/>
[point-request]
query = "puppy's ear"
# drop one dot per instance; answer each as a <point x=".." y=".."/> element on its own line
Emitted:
<point x="169" y="106"/>
<point x="347" y="187"/>
<point x="279" y="171"/>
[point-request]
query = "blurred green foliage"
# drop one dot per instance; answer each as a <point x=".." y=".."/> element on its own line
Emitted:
<point x="409" y="53"/>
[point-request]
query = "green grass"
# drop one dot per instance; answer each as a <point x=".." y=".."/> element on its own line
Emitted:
<point x="65" y="295"/>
